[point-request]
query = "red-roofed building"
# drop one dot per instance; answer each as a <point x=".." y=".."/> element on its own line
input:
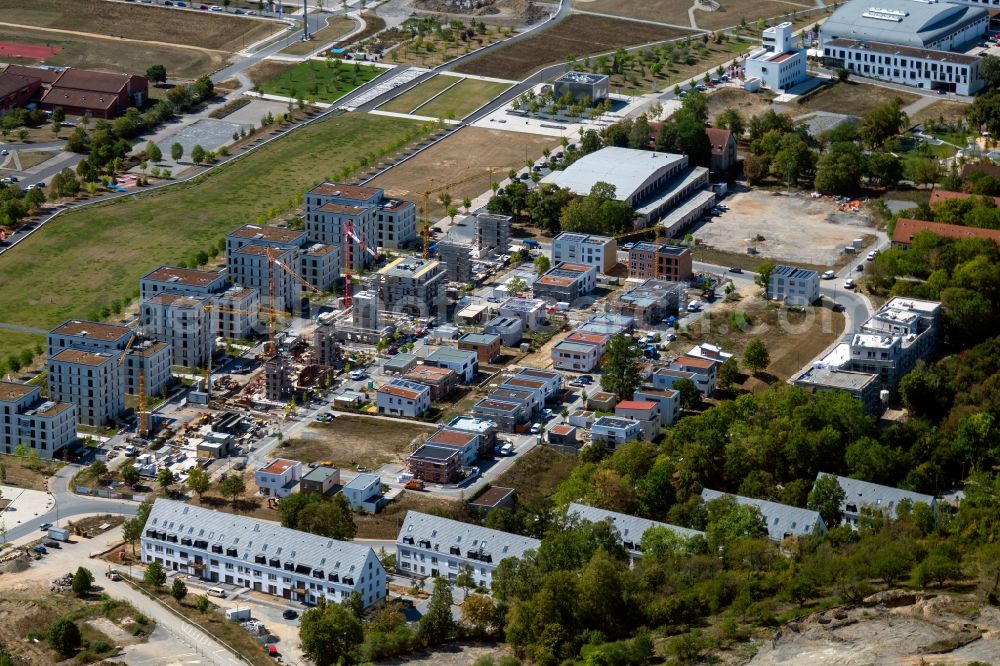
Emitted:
<point x="101" y="94"/>
<point x="906" y="229"/>
<point x="17" y="91"/>
<point x="279" y="477"/>
<point x="466" y="442"/>
<point x="723" y="149"/>
<point x="403" y="398"/>
<point x="646" y="412"/>
<point x="704" y="370"/>
<point x="937" y="196"/>
<point x="563" y="434"/>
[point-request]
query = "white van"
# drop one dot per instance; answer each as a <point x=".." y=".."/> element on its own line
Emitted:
<point x="694" y="306"/>
<point x="217" y="592"/>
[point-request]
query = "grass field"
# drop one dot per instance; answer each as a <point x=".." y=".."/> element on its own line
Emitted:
<point x="208" y="30"/>
<point x="578" y="35"/>
<point x="414" y="97"/>
<point x="320" y="80"/>
<point x="462" y="99"/>
<point x="747" y="103"/>
<point x="114" y="55"/>
<point x="463" y="156"/>
<point x="949" y="112"/>
<point x="538" y="474"/>
<point x="31" y="158"/>
<point x="89" y="258"/>
<point x="266" y="70"/>
<point x="336" y="27"/>
<point x="432" y="50"/>
<point x="854" y="98"/>
<point x="676" y="11"/>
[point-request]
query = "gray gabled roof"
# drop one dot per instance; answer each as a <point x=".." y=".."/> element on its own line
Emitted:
<point x="444" y="533"/>
<point x="781" y="520"/>
<point x="865" y="493"/>
<point x="904" y="22"/>
<point x="255" y="537"/>
<point x="630" y="528"/>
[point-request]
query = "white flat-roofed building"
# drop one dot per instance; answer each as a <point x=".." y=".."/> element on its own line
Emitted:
<point x="463" y="362"/>
<point x="636" y="174"/>
<point x="182" y="322"/>
<point x="890" y="343"/>
<point x="630" y="528"/>
<point x="221" y="547"/>
<point x="44" y="426"/>
<point x="154" y="358"/>
<point x="236" y="313"/>
<point x="251" y="266"/>
<point x="778" y="64"/>
<point x="565" y="283"/>
<point x="79" y="334"/>
<point x="710" y="352"/>
<point x="864" y="386"/>
<point x="645" y="412"/>
<point x="531" y="311"/>
<point x="278" y="478"/>
<point x="613" y="431"/>
<point x="782" y="520"/>
<point x="91" y="380"/>
<point x="669" y="401"/>
<point x="184" y="281"/>
<point x="909" y="42"/>
<point x="705" y="371"/>
<point x="860" y="494"/>
<point x="575" y="356"/>
<point x="485" y="431"/>
<point x="431" y="546"/>
<point x="399" y="397"/>
<point x="793" y="286"/>
<point x="601" y="252"/>
<point x="553" y="380"/>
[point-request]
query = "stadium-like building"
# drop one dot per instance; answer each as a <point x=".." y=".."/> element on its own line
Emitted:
<point x="912" y="42"/>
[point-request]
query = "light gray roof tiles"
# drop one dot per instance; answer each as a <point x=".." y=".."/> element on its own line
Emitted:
<point x="781" y="520"/>
<point x="865" y="493"/>
<point x="443" y="533"/>
<point x="630" y="528"/>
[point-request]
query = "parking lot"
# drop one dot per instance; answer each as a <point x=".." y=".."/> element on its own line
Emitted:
<point x="785" y="227"/>
<point x="23" y="505"/>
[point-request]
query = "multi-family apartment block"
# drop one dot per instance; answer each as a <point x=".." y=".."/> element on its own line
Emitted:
<point x="793" y="286"/>
<point x="91" y="380"/>
<point x="154" y="359"/>
<point x="44" y="426"/>
<point x="661" y="262"/>
<point x="415" y="286"/>
<point x="601" y="252"/>
<point x="252" y="265"/>
<point x="565" y="283"/>
<point x="184" y="323"/>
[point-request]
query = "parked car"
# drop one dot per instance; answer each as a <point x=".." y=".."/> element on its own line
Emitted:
<point x="44" y="527"/>
<point x="871" y="255"/>
<point x="829" y="275"/>
<point x="860" y="268"/>
<point x="51" y="544"/>
<point x="586" y="379"/>
<point x="849" y="283"/>
<point x="628" y="246"/>
<point x="357" y="374"/>
<point x="735" y="269"/>
<point x="536" y="428"/>
<point x="289" y="614"/>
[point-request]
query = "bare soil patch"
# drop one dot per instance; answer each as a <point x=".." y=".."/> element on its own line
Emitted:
<point x="465" y="158"/>
<point x="729" y="14"/>
<point x="349" y="441"/>
<point x="212" y="30"/>
<point x="538" y="474"/>
<point x="856" y="99"/>
<point x="794" y="227"/>
<point x="577" y="35"/>
<point x="386" y="523"/>
<point x="18" y="473"/>
<point x="947" y="111"/>
<point x="747" y="103"/>
<point x="266" y="70"/>
<point x="93" y="52"/>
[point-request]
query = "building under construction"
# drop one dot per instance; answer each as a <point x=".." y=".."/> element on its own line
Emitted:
<point x="493" y="233"/>
<point x="457" y="259"/>
<point x="415" y="287"/>
<point x="650" y="302"/>
<point x="277" y="379"/>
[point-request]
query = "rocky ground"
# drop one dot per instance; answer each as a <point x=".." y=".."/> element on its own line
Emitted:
<point x="892" y="628"/>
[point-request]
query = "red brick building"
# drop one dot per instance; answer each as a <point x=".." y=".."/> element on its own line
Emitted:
<point x="101" y="94"/>
<point x="17" y="91"/>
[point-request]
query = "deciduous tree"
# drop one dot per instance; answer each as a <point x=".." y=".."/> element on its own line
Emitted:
<point x="756" y="356"/>
<point x="329" y="633"/>
<point x="621" y="367"/>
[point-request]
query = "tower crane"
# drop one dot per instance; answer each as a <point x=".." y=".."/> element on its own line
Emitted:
<point x="426" y="231"/>
<point x="349" y="260"/>
<point x="217" y="308"/>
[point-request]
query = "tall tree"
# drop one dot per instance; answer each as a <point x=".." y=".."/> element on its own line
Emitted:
<point x="825" y="498"/>
<point x="83" y="580"/>
<point x="763" y="277"/>
<point x="157" y="74"/>
<point x="883" y="123"/>
<point x="198" y="481"/>
<point x="329" y="633"/>
<point x="732" y="120"/>
<point x="132" y="528"/>
<point x="155" y="576"/>
<point x="176" y="151"/>
<point x="756" y="356"/>
<point x="331" y="519"/>
<point x="621" y="368"/>
<point x="542" y="264"/>
<point x="233" y="486"/>
<point x="178" y="590"/>
<point x="838" y="171"/>
<point x="64" y="637"/>
<point x="438" y="625"/>
<point x="153" y="153"/>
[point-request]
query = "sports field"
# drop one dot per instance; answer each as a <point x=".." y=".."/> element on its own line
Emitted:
<point x="578" y="35"/>
<point x="210" y="30"/>
<point x="320" y="80"/>
<point x="86" y="259"/>
<point x="463" y="158"/>
<point x="114" y="55"/>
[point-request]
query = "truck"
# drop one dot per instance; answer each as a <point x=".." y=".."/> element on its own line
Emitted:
<point x="59" y="534"/>
<point x="414" y="484"/>
<point x="531" y="243"/>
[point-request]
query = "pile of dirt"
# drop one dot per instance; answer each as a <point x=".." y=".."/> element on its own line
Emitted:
<point x="895" y="627"/>
<point x="14" y="561"/>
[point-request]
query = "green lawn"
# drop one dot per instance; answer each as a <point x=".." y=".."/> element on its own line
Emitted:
<point x="462" y="100"/>
<point x="320" y="80"/>
<point x="84" y="260"/>
<point x="12" y="342"/>
<point x="416" y="96"/>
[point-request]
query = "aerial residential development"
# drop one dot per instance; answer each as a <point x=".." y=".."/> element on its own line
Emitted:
<point x="499" y="333"/>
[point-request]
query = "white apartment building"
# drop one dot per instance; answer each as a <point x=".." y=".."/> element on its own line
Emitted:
<point x="154" y="359"/>
<point x="259" y="555"/>
<point x="183" y="281"/>
<point x="860" y="495"/>
<point x="395" y="223"/>
<point x="645" y="412"/>
<point x="44" y="426"/>
<point x="779" y="64"/>
<point x="399" y="397"/>
<point x="630" y="528"/>
<point x="465" y="363"/>
<point x="236" y="313"/>
<point x="78" y="334"/>
<point x="575" y="356"/>
<point x="441" y="548"/>
<point x="250" y="265"/>
<point x="319" y="265"/>
<point x="183" y="322"/>
<point x="91" y="380"/>
<point x="668" y="400"/>
<point x="793" y="286"/>
<point x="781" y="520"/>
<point x="531" y="311"/>
<point x="600" y="252"/>
<point x="890" y="343"/>
<point x="278" y="478"/>
<point x="613" y="431"/>
<point x="920" y="68"/>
